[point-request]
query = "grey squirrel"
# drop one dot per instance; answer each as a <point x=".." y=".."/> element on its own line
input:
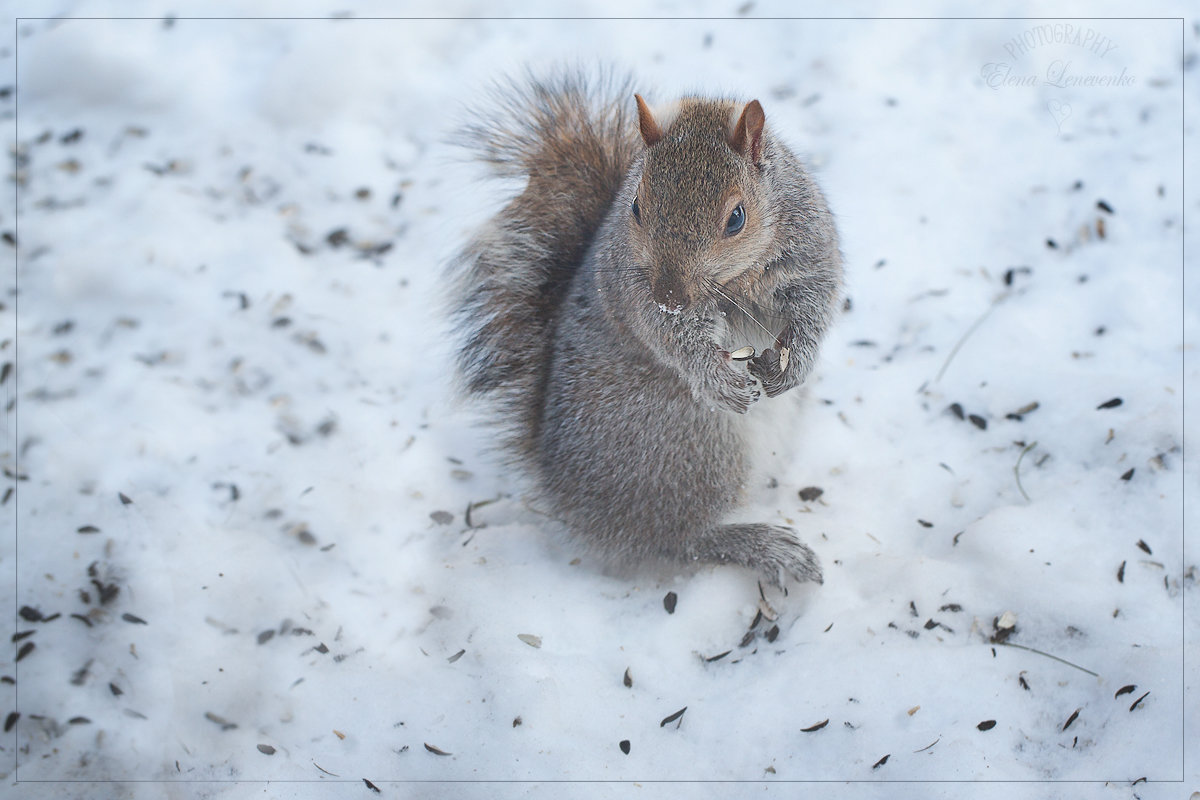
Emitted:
<point x="603" y="306"/>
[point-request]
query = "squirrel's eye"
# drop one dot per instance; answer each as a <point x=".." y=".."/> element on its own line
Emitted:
<point x="737" y="220"/>
<point x="637" y="212"/>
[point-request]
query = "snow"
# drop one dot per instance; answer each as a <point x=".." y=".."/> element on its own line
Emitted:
<point x="295" y="568"/>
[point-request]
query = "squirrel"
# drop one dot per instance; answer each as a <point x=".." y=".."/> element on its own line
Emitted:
<point x="606" y="310"/>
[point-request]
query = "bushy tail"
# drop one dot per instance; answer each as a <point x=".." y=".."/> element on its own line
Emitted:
<point x="571" y="136"/>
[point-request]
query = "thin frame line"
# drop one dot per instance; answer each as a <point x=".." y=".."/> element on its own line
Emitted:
<point x="1183" y="361"/>
<point x="16" y="375"/>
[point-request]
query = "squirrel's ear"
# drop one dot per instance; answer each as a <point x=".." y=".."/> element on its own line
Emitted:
<point x="651" y="133"/>
<point x="747" y="133"/>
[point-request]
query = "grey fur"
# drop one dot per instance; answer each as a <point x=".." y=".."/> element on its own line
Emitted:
<point x="630" y="420"/>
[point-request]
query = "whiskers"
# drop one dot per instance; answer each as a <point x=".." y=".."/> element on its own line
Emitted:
<point x="716" y="288"/>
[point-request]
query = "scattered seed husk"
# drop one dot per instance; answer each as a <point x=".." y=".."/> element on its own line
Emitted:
<point x="1138" y="702"/>
<point x="372" y="786"/>
<point x="815" y="728"/>
<point x="339" y="734"/>
<point x="88" y="529"/>
<point x="16" y="637"/>
<point x="456" y="656"/>
<point x="25" y="650"/>
<point x="672" y="717"/>
<point x="624" y="745"/>
<point x="1121" y="573"/>
<point x="1074" y="716"/>
<point x="441" y="517"/>
<point x="773" y="633"/>
<point x="11" y="720"/>
<point x="1130" y="689"/>
<point x="924" y="523"/>
<point x="1142" y="544"/>
<point x="134" y="619"/>
<point x="31" y="614"/>
<point x="81" y="675"/>
<point x="742" y="354"/>
<point x="881" y="761"/>
<point x="225" y="724"/>
<point x="768" y="611"/>
<point x="517" y="721"/>
<point x="957" y="410"/>
<point x="986" y="725"/>
<point x="125" y="501"/>
<point x="437" y="751"/>
<point x="1105" y="207"/>
<point x="1020" y="413"/>
<point x="1116" y="401"/>
<point x="978" y="421"/>
<point x="1021" y="680"/>
<point x="530" y="639"/>
<point x="627" y="679"/>
<point x="266" y="749"/>
<point x="1128" y="475"/>
<point x="669" y="602"/>
<point x="718" y="656"/>
<point x="810" y="493"/>
<point x="1003" y="627"/>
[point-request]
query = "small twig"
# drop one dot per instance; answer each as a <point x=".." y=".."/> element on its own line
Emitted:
<point x="479" y="504"/>
<point x="1047" y="655"/>
<point x="967" y="335"/>
<point x="1017" y="469"/>
<point x="926" y="747"/>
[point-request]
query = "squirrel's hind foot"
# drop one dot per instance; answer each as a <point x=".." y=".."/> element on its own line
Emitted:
<point x="774" y="551"/>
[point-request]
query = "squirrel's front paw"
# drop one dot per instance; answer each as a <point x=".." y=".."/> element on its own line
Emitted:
<point x="769" y="367"/>
<point x="732" y="387"/>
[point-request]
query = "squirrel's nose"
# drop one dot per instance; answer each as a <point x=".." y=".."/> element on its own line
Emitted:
<point x="668" y="295"/>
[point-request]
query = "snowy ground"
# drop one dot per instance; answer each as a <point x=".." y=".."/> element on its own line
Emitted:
<point x="248" y="540"/>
